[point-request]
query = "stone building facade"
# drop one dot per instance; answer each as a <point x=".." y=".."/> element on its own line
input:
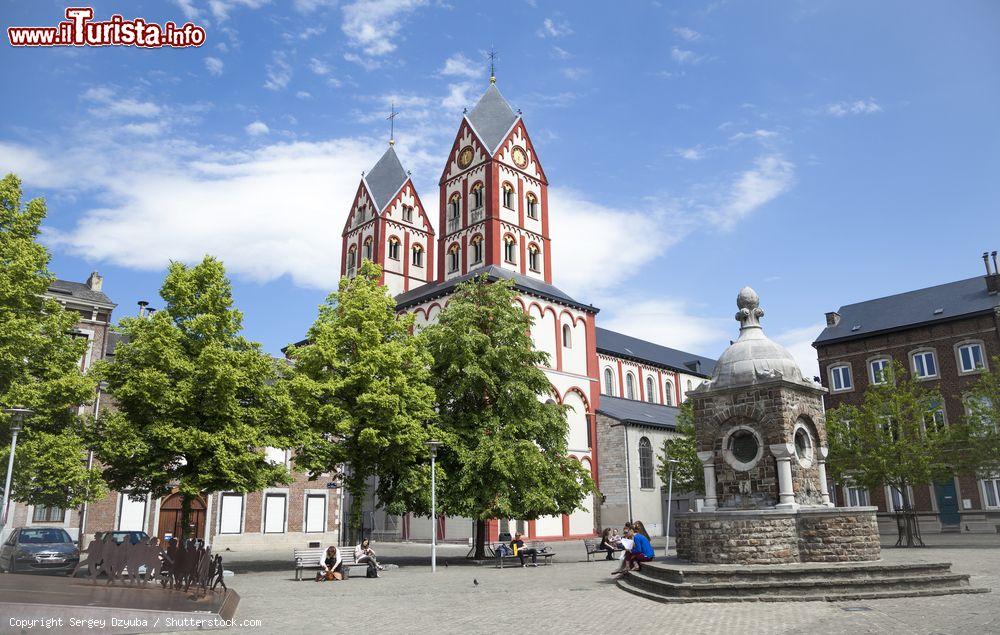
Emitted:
<point x="946" y="336"/>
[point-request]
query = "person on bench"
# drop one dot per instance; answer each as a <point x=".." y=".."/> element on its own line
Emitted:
<point x="607" y="544"/>
<point x="331" y="566"/>
<point x="517" y="544"/>
<point x="641" y="551"/>
<point x="363" y="553"/>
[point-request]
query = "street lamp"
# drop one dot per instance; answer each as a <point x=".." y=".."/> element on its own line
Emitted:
<point x="432" y="447"/>
<point x="671" y="465"/>
<point x="17" y="417"/>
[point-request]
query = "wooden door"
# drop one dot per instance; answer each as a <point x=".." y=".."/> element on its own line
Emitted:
<point x="171" y="514"/>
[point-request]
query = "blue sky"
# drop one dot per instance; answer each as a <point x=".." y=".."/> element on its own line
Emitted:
<point x="822" y="152"/>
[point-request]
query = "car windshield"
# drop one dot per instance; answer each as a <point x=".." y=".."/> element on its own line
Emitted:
<point x="42" y="536"/>
<point x="134" y="537"/>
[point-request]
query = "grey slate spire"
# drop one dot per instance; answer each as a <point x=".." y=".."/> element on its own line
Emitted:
<point x="492" y="118"/>
<point x="385" y="179"/>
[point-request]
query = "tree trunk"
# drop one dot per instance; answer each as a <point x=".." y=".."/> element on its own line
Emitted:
<point x="185" y="516"/>
<point x="480" y="540"/>
<point x="909" y="517"/>
<point x="354" y="523"/>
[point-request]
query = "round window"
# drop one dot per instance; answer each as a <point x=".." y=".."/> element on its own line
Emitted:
<point x="743" y="445"/>
<point x="803" y="447"/>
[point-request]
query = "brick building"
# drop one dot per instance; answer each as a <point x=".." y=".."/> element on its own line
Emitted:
<point x="945" y="335"/>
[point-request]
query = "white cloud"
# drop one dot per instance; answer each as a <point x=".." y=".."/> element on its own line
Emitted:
<point x="799" y="341"/>
<point x="459" y="65"/>
<point x="561" y="53"/>
<point x="755" y="134"/>
<point x="308" y="6"/>
<point x="687" y="34"/>
<point x="682" y="56"/>
<point x="303" y="95"/>
<point x="311" y="32"/>
<point x="574" y="73"/>
<point x="220" y="8"/>
<point x="108" y="103"/>
<point x="279" y="72"/>
<point x="458" y="96"/>
<point x="318" y="66"/>
<point x="858" y="107"/>
<point x="257" y="128"/>
<point x="551" y="28"/>
<point x="190" y="11"/>
<point x="366" y="63"/>
<point x="144" y="129"/>
<point x="374" y="25"/>
<point x="771" y="176"/>
<point x="694" y="153"/>
<point x="672" y="322"/>
<point x="214" y="65"/>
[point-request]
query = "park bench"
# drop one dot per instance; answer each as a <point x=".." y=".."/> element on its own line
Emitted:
<point x="543" y="555"/>
<point x="309" y="559"/>
<point x="593" y="546"/>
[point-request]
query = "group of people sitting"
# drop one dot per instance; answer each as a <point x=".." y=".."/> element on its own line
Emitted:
<point x="332" y="566"/>
<point x="634" y="543"/>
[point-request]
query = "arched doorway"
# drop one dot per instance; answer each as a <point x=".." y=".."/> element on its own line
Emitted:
<point x="170" y="517"/>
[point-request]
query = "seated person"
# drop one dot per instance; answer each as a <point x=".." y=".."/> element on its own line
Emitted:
<point x="363" y="553"/>
<point x="517" y="545"/>
<point x="641" y="551"/>
<point x="607" y="544"/>
<point x="331" y="568"/>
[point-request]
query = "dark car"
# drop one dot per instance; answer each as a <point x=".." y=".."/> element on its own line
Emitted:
<point x="39" y="549"/>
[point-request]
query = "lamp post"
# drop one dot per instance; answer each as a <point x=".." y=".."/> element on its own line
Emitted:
<point x="671" y="464"/>
<point x="17" y="417"/>
<point x="101" y="388"/>
<point x="432" y="447"/>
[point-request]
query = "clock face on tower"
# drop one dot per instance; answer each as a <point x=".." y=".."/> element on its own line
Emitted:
<point x="465" y="157"/>
<point x="519" y="156"/>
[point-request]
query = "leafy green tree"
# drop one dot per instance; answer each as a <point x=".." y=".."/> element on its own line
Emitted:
<point x="39" y="366"/>
<point x="688" y="473"/>
<point x="197" y="403"/>
<point x="505" y="451"/>
<point x="363" y="383"/>
<point x="978" y="444"/>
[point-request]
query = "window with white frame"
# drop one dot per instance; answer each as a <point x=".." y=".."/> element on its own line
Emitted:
<point x="275" y="456"/>
<point x="131" y="512"/>
<point x="477" y="196"/>
<point x="668" y="393"/>
<point x="453" y="258"/>
<point x="609" y="382"/>
<point x="980" y="410"/>
<point x="534" y="258"/>
<point x="840" y="377"/>
<point x="971" y="358"/>
<point x="231" y="514"/>
<point x="991" y="491"/>
<point x="856" y="496"/>
<point x="477" y="249"/>
<point x="394" y="248"/>
<point x="352" y="260"/>
<point x="508" y="196"/>
<point x="417" y="256"/>
<point x="315" y="513"/>
<point x="645" y="464"/>
<point x="567" y="336"/>
<point x="532" y="206"/>
<point x="630" y="386"/>
<point x="934" y="418"/>
<point x="509" y="249"/>
<point x="275" y="506"/>
<point x="650" y="390"/>
<point x="896" y="499"/>
<point x="454" y="212"/>
<point x="45" y="514"/>
<point x="879" y="370"/>
<point x="924" y="364"/>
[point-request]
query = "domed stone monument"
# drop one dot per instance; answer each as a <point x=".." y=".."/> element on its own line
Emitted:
<point x="761" y="436"/>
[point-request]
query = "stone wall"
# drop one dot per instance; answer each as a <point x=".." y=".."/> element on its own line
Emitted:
<point x="770" y="537"/>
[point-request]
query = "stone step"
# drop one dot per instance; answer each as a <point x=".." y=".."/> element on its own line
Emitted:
<point x="759" y="573"/>
<point x="626" y="585"/>
<point x="815" y="586"/>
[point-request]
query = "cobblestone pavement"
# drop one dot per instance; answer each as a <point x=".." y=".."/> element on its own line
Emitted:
<point x="577" y="596"/>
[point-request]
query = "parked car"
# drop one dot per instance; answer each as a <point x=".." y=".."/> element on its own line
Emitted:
<point x="134" y="537"/>
<point x="39" y="549"/>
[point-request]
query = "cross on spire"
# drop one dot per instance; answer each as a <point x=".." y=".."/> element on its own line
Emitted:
<point x="493" y="58"/>
<point x="392" y="123"/>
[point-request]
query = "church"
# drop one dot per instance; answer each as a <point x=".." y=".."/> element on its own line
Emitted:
<point x="494" y="221"/>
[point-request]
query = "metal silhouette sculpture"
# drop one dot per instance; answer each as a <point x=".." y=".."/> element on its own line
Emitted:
<point x="179" y="566"/>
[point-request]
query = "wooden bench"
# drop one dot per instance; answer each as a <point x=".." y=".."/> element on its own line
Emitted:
<point x="538" y="546"/>
<point x="309" y="559"/>
<point x="593" y="546"/>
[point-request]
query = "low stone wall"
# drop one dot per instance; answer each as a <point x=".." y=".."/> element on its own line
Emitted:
<point x="828" y="534"/>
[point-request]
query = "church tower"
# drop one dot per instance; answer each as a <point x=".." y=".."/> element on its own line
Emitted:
<point x="388" y="225"/>
<point x="494" y="196"/>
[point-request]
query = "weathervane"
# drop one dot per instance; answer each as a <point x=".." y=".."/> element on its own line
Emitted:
<point x="493" y="58"/>
<point x="392" y="123"/>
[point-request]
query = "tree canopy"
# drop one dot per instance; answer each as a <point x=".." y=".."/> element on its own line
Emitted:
<point x="505" y="438"/>
<point x="40" y="366"/>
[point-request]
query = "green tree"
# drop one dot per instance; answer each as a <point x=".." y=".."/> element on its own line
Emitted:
<point x="688" y="473"/>
<point x="978" y="444"/>
<point x="504" y="452"/>
<point x="197" y="403"/>
<point x="39" y="366"/>
<point x="362" y="380"/>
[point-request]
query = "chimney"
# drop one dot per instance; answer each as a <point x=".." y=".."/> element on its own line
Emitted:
<point x="142" y="308"/>
<point x="832" y="318"/>
<point x="95" y="281"/>
<point x="992" y="276"/>
<point x="150" y="311"/>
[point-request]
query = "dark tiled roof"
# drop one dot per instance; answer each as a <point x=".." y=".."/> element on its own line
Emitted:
<point x="492" y="118"/>
<point x="114" y="339"/>
<point x="78" y="291"/>
<point x="933" y="304"/>
<point x="385" y="179"/>
<point x="639" y="412"/>
<point x="493" y="273"/>
<point x="621" y="345"/>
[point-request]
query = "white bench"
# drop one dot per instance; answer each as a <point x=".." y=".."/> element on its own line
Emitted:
<point x="309" y="559"/>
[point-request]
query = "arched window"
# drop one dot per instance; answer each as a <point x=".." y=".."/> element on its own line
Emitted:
<point x="368" y="248"/>
<point x="650" y="390"/>
<point x="509" y="249"/>
<point x="567" y="334"/>
<point x="454" y="211"/>
<point x="508" y="196"/>
<point x="453" y="258"/>
<point x="689" y="385"/>
<point x="394" y="248"/>
<point x="532" y="205"/>
<point x="534" y="258"/>
<point x="630" y="386"/>
<point x="417" y="256"/>
<point x="477" y="195"/>
<point x="609" y="382"/>
<point x="668" y="393"/>
<point x="352" y="260"/>
<point x="477" y="249"/>
<point x="645" y="464"/>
